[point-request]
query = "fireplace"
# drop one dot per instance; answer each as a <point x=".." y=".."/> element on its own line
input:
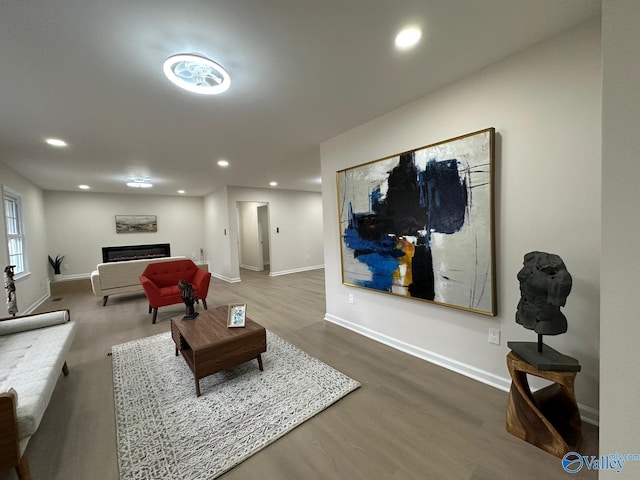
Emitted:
<point x="135" y="252"/>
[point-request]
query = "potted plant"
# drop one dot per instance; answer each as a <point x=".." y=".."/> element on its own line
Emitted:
<point x="56" y="264"/>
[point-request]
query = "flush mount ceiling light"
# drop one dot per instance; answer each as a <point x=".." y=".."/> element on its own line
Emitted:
<point x="408" y="38"/>
<point x="223" y="163"/>
<point x="196" y="74"/>
<point x="56" y="142"/>
<point x="139" y="183"/>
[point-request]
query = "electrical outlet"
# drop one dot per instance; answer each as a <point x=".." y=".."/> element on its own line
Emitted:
<point x="351" y="298"/>
<point x="494" y="336"/>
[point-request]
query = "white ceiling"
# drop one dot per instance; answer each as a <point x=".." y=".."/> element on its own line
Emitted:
<point x="303" y="71"/>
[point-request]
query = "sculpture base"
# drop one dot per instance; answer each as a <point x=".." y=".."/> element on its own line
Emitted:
<point x="548" y="418"/>
<point x="547" y="360"/>
<point x="190" y="316"/>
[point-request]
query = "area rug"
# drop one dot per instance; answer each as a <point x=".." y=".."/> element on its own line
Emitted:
<point x="165" y="432"/>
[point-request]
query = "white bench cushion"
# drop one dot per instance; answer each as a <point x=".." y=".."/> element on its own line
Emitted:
<point x="34" y="363"/>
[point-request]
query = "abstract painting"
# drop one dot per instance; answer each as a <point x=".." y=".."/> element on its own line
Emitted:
<point x="420" y="224"/>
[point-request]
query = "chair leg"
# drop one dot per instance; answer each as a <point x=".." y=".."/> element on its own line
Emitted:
<point x="204" y="303"/>
<point x="104" y="300"/>
<point x="155" y="315"/>
<point x="150" y="308"/>
<point x="65" y="369"/>
<point x="22" y="469"/>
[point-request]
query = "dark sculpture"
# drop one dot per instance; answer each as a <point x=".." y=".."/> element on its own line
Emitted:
<point x="189" y="298"/>
<point x="10" y="286"/>
<point x="545" y="285"/>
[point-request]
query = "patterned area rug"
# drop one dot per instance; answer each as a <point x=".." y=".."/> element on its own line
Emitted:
<point x="165" y="432"/>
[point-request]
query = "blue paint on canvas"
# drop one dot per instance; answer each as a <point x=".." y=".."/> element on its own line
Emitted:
<point x="416" y="203"/>
<point x="381" y="257"/>
<point x="382" y="267"/>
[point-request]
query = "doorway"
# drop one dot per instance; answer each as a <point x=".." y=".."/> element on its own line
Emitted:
<point x="253" y="236"/>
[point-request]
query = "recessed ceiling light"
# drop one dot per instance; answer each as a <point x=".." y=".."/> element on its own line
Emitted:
<point x="181" y="192"/>
<point x="223" y="163"/>
<point x="196" y="74"/>
<point x="139" y="183"/>
<point x="408" y="38"/>
<point x="84" y="187"/>
<point x="273" y="184"/>
<point x="56" y="142"/>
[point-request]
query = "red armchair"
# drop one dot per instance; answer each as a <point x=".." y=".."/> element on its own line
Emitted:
<point x="160" y="283"/>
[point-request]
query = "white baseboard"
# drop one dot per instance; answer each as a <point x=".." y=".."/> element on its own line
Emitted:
<point x="75" y="276"/>
<point x="252" y="268"/>
<point x="226" y="279"/>
<point x="296" y="270"/>
<point x="35" y="305"/>
<point x="588" y="414"/>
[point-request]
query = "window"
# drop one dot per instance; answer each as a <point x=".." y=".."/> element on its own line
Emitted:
<point x="15" y="234"/>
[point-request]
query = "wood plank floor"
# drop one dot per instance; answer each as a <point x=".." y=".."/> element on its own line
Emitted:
<point x="409" y="420"/>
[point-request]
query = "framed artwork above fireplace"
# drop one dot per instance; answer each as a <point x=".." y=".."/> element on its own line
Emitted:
<point x="136" y="223"/>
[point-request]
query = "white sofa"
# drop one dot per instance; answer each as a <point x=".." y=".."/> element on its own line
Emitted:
<point x="121" y="277"/>
<point x="33" y="351"/>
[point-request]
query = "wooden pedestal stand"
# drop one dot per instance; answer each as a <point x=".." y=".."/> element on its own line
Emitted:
<point x="548" y="418"/>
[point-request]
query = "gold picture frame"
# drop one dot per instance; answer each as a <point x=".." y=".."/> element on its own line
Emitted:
<point x="236" y="315"/>
<point x="420" y="224"/>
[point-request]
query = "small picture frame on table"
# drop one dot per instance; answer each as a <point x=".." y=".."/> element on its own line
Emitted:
<point x="236" y="315"/>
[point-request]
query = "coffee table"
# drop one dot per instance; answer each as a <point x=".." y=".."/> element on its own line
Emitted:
<point x="209" y="346"/>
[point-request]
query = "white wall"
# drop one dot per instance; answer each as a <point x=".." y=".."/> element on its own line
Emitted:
<point x="298" y="218"/>
<point x="79" y="224"/>
<point x="545" y="104"/>
<point x="217" y="244"/>
<point x="31" y="288"/>
<point x="620" y="284"/>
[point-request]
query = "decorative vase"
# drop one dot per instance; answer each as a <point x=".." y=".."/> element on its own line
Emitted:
<point x="57" y="277"/>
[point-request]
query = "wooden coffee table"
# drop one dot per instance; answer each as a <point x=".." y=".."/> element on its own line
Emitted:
<point x="209" y="346"/>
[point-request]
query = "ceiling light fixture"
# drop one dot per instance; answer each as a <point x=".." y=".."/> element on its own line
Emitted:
<point x="84" y="187"/>
<point x="408" y="38"/>
<point x="139" y="183"/>
<point x="181" y="192"/>
<point x="223" y="163"/>
<point x="56" y="142"/>
<point x="273" y="184"/>
<point x="196" y="74"/>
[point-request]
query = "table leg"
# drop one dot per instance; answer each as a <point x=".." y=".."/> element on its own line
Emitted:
<point x="260" y="362"/>
<point x="197" y="387"/>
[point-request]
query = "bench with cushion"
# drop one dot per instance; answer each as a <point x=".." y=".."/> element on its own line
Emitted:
<point x="33" y="351"/>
